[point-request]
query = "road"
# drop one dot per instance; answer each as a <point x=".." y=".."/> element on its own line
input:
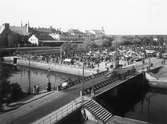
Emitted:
<point x="39" y="108"/>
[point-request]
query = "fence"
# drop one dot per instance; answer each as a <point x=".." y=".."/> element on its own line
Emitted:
<point x="112" y="79"/>
<point x="78" y="81"/>
<point x="62" y="112"/>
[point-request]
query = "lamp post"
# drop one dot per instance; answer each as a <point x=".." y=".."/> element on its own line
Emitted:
<point x="82" y="89"/>
<point x="29" y="79"/>
<point x="83" y="76"/>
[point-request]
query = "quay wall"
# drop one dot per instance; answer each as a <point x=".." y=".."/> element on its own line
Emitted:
<point x="69" y="69"/>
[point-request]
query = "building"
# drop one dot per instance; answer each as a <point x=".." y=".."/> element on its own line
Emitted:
<point x="12" y="36"/>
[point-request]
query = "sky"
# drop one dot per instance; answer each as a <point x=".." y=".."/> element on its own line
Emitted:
<point x="115" y="16"/>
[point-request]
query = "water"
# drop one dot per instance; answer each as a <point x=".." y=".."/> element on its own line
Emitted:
<point x="133" y="99"/>
<point x="136" y="99"/>
<point x="23" y="76"/>
<point x="152" y="109"/>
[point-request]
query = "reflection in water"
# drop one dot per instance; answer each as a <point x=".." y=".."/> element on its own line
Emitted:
<point x="22" y="76"/>
<point x="135" y="99"/>
<point x="153" y="109"/>
<point x="8" y="92"/>
<point x="122" y="98"/>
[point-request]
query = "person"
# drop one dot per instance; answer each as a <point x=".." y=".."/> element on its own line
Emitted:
<point x="49" y="87"/>
<point x="143" y="61"/>
<point x="37" y="89"/>
<point x="34" y="89"/>
<point x="163" y="61"/>
<point x="97" y="70"/>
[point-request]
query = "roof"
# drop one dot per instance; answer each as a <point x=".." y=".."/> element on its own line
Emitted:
<point x="45" y="30"/>
<point x="2" y="29"/>
<point x="44" y="36"/>
<point x="74" y="31"/>
<point x="98" y="31"/>
<point x="90" y="32"/>
<point x="19" y="30"/>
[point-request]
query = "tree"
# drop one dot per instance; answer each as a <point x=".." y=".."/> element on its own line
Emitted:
<point x="107" y="42"/>
<point x="4" y="89"/>
<point x="127" y="42"/>
<point x="68" y="48"/>
<point x="16" y="91"/>
<point x="91" y="45"/>
<point x="9" y="92"/>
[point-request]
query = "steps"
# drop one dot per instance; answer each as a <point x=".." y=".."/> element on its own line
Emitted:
<point x="97" y="110"/>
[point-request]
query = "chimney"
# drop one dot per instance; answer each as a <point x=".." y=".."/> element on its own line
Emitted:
<point x="6" y="25"/>
<point x="27" y="28"/>
<point x="21" y="24"/>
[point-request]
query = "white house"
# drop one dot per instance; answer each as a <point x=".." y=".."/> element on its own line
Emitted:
<point x="34" y="40"/>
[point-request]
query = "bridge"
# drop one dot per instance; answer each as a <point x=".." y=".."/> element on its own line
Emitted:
<point x="63" y="102"/>
<point x="87" y="103"/>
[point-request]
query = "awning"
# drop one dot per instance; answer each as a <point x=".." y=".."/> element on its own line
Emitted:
<point x="150" y="51"/>
<point x="67" y="60"/>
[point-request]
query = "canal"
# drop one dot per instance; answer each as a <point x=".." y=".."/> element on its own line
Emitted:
<point x="26" y="77"/>
<point x="137" y="100"/>
<point x="134" y="99"/>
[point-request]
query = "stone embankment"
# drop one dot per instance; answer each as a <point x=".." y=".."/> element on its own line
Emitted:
<point x="63" y="68"/>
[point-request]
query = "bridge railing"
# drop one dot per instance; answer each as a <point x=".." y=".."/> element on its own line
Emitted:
<point x="62" y="112"/>
<point x="112" y="79"/>
<point x="78" y="81"/>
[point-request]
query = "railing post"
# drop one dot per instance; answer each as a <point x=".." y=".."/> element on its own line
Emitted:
<point x="50" y="119"/>
<point x="72" y="106"/>
<point x="68" y="107"/>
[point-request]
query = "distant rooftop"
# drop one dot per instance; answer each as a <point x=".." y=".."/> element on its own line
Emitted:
<point x="22" y="30"/>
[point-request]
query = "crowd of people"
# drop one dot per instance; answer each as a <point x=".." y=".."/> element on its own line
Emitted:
<point x="98" y="58"/>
